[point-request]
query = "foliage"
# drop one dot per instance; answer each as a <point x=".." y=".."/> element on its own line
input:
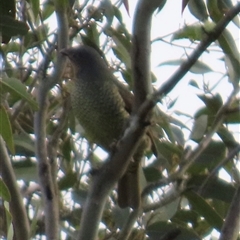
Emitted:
<point x="183" y="198"/>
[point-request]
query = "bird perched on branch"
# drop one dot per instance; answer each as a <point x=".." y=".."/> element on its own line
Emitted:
<point x="100" y="109"/>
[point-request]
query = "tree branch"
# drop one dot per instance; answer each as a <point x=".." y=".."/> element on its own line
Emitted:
<point x="141" y="50"/>
<point x="62" y="21"/>
<point x="21" y="227"/>
<point x="127" y="228"/>
<point x="46" y="168"/>
<point x="230" y="229"/>
<point x="108" y="175"/>
<point x="229" y="157"/>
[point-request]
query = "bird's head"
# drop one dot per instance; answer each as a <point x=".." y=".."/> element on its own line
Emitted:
<point x="86" y="61"/>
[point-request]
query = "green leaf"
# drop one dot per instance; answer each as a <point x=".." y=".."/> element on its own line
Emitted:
<point x="209" y="158"/>
<point x="12" y="47"/>
<point x="152" y="174"/>
<point x="220" y="207"/>
<point x="10" y="231"/>
<point x="26" y="170"/>
<point x="184" y="4"/>
<point x="170" y="151"/>
<point x="4" y="192"/>
<point x="179" y="113"/>
<point x="199" y="127"/>
<point x="178" y="135"/>
<point x="213" y="10"/>
<point x="120" y="36"/>
<point x="48" y="9"/>
<point x="191" y="32"/>
<point x="123" y="55"/>
<point x="213" y="102"/>
<point x="177" y="122"/>
<point x="161" y="5"/>
<point x="35" y="7"/>
<point x="117" y="14"/>
<point x="172" y="103"/>
<point x="227" y="137"/>
<point x="198" y="9"/>
<point x="6" y="129"/>
<point x="66" y="149"/>
<point x="127" y="76"/>
<point x="92" y="33"/>
<point x="67" y="181"/>
<point x="193" y="83"/>
<point x="186" y="216"/>
<point x="166" y="230"/>
<point x="232" y="60"/>
<point x="215" y="188"/>
<point x="24" y="145"/>
<point x="11" y="27"/>
<point x="14" y="86"/>
<point x="232" y="117"/>
<point x="205" y="210"/>
<point x="191" y="217"/>
<point x="166" y="212"/>
<point x="163" y="123"/>
<point x="224" y="6"/>
<point x="7" y="8"/>
<point x="120" y="215"/>
<point x="91" y="40"/>
<point x="198" y="68"/>
<point x="205" y="111"/>
<point x="108" y="11"/>
<point x="228" y="45"/>
<point x="95" y="13"/>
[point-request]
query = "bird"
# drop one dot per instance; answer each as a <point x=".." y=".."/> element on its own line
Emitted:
<point x="99" y="107"/>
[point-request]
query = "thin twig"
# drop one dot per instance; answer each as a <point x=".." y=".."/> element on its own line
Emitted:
<point x="230" y="156"/>
<point x="21" y="228"/>
<point x="231" y="226"/>
<point x="46" y="168"/>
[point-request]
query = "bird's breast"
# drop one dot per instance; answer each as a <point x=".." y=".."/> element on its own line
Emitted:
<point x="100" y="110"/>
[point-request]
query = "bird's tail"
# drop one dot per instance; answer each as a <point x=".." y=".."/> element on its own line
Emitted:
<point x="129" y="188"/>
